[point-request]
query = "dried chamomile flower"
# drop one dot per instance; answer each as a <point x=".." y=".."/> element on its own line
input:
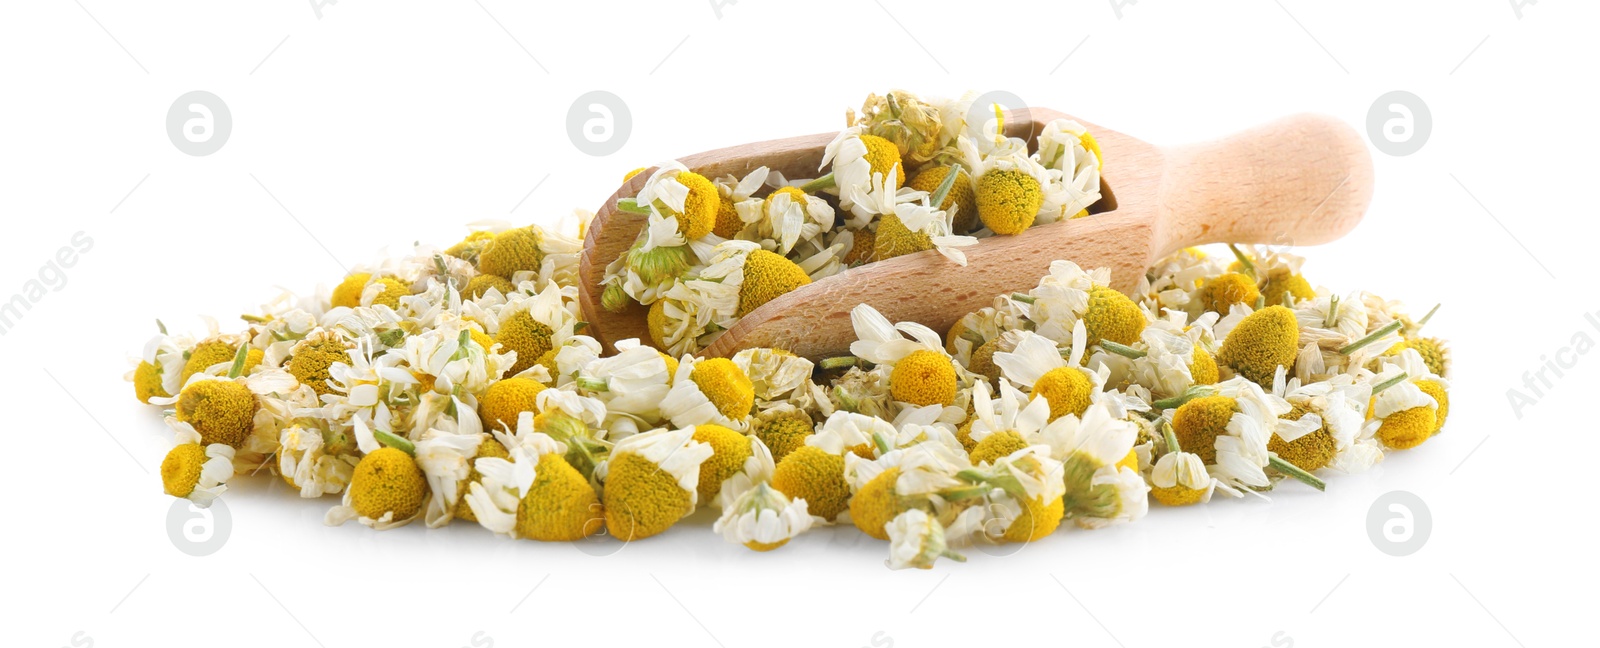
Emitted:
<point x="1403" y="415"/>
<point x="816" y="476"/>
<point x="864" y="169"/>
<point x="632" y="384"/>
<point x="387" y="490"/>
<point x="920" y="226"/>
<point x="215" y="356"/>
<point x="915" y="125"/>
<point x="1229" y="432"/>
<point x="311" y="358"/>
<point x="1179" y="478"/>
<point x="1021" y="495"/>
<point x="1010" y="192"/>
<point x="783" y="429"/>
<point x="997" y="429"/>
<point x="470" y="247"/>
<point x="651" y="481"/>
<point x="446" y="461"/>
<point x="532" y="325"/>
<point x="917" y="539"/>
<point x="316" y="462"/>
<point x="1037" y="364"/>
<point x="733" y="192"/>
<point x="763" y="518"/>
<point x="1070" y="154"/>
<point x="710" y="390"/>
<point x="920" y="371"/>
<point x="195" y="472"/>
<point x="1099" y="469"/>
<point x="902" y="478"/>
<point x="1221" y="293"/>
<point x="774" y="374"/>
<point x="785" y="219"/>
<point x="959" y="201"/>
<point x="1069" y="294"/>
<point x="1261" y="343"/>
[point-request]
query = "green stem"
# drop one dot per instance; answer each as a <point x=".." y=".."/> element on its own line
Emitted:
<point x="1023" y="297"/>
<point x="818" y="184"/>
<point x="161" y="326"/>
<point x="1429" y="316"/>
<point x="1389" y="383"/>
<point x="395" y="441"/>
<point x="238" y="360"/>
<point x="593" y="384"/>
<point x="1249" y="266"/>
<point x="1171" y="437"/>
<point x="1123" y="350"/>
<point x="1288" y="299"/>
<point x="966" y="492"/>
<point x="632" y="206"/>
<point x="840" y="362"/>
<point x="1193" y="392"/>
<point x="1371" y="337"/>
<point x="1261" y="301"/>
<point x="1333" y="312"/>
<point x="944" y="185"/>
<point x="254" y="319"/>
<point x="1295" y="472"/>
<point x="461" y="344"/>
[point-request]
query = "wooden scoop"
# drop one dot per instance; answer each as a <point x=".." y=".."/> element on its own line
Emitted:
<point x="1302" y="180"/>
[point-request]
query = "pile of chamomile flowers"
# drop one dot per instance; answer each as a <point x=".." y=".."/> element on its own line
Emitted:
<point x="456" y="385"/>
<point x="907" y="174"/>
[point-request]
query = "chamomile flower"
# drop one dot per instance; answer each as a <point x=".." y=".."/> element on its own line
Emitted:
<point x="917" y="539"/>
<point x="311" y="358"/>
<point x="1323" y="426"/>
<point x="316" y="462"/>
<point x="958" y="202"/>
<point x="920" y="226"/>
<point x="785" y="219"/>
<point x="763" y="518"/>
<point x="198" y="473"/>
<point x="1229" y="432"/>
<point x="1021" y="495"/>
<point x="1260" y="343"/>
<point x="734" y="191"/>
<point x="920" y="371"/>
<point x="774" y="374"/>
<point x="446" y="461"/>
<point x="1179" y="478"/>
<point x="1010" y="191"/>
<point x="1403" y="416"/>
<point x="632" y="384"/>
<point x="710" y="390"/>
<point x="1069" y="294"/>
<point x="1070" y="154"/>
<point x="651" y="481"/>
<point x="1064" y="383"/>
<point x="532" y="325"/>
<point x="783" y="428"/>
<point x="387" y="490"/>
<point x="1003" y="425"/>
<point x="901" y="478"/>
<point x="915" y="125"/>
<point x="1095" y="451"/>
<point x="816" y="476"/>
<point x="532" y="492"/>
<point x="864" y="168"/>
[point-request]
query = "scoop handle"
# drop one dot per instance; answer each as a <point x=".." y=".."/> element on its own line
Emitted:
<point x="1301" y="180"/>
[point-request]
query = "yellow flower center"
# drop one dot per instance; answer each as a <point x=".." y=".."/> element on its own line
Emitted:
<point x="960" y="197"/>
<point x="1038" y="520"/>
<point x="1440" y="396"/>
<point x="388" y="481"/>
<point x="996" y="445"/>
<point x="561" y="506"/>
<point x="883" y="155"/>
<point x="1407" y="429"/>
<point x="488" y="448"/>
<point x="530" y="338"/>
<point x="1311" y="452"/>
<point x="469" y="248"/>
<point x="729" y="449"/>
<point x="1008" y="200"/>
<point x="863" y="248"/>
<point x="147" y="383"/>
<point x="1199" y="422"/>
<point x="512" y="251"/>
<point x="222" y="411"/>
<point x="481" y="284"/>
<point x="1112" y="316"/>
<point x="393" y="290"/>
<point x="700" y="208"/>
<point x="785" y="432"/>
<point x="641" y="499"/>
<point x="1228" y="289"/>
<point x="503" y="401"/>
<point x="1263" y="341"/>
<point x="815" y="476"/>
<point x="211" y="352"/>
<point x="895" y="239"/>
<point x="766" y="276"/>
<point x="728" y="223"/>
<point x="1066" y="389"/>
<point x="876" y="504"/>
<point x="1287" y="282"/>
<point x="1203" y="367"/>
<point x="180" y="470"/>
<point x="313" y="357"/>
<point x="348" y="292"/>
<point x="1177" y="495"/>
<point x="726" y="386"/>
<point x="923" y="377"/>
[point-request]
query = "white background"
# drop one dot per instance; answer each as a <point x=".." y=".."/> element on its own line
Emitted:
<point x="379" y="124"/>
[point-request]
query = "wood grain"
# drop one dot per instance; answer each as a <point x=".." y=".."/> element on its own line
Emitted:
<point x="1302" y="180"/>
